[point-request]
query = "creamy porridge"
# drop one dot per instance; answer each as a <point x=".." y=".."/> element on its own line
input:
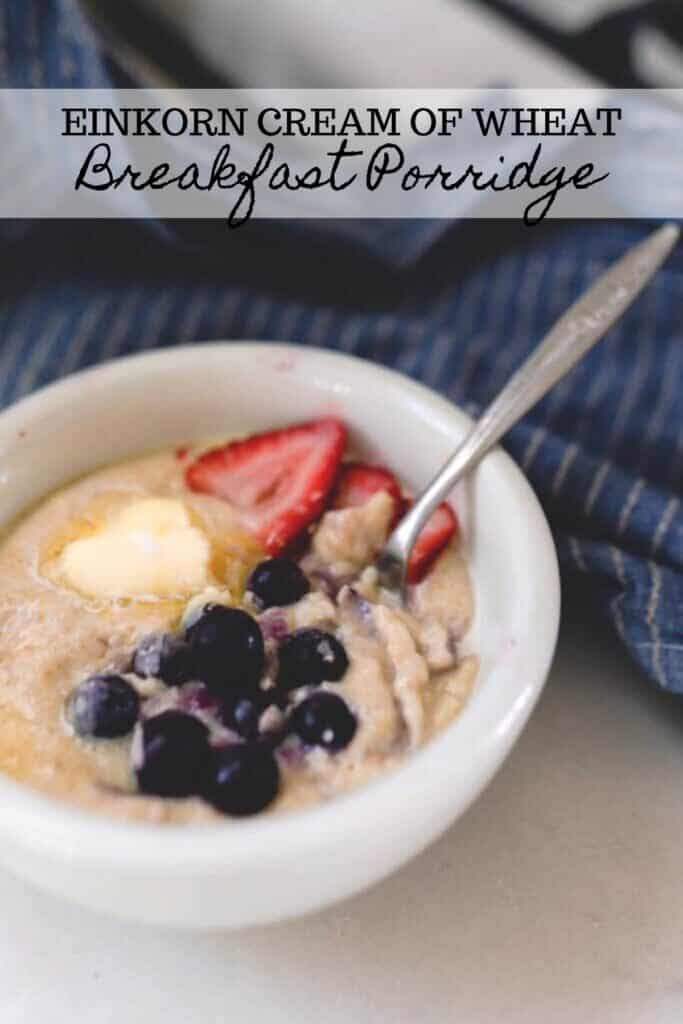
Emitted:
<point x="199" y="633"/>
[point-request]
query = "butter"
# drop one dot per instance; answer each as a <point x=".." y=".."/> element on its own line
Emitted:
<point x="151" y="548"/>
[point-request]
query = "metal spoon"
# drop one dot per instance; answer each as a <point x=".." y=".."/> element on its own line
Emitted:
<point x="584" y="324"/>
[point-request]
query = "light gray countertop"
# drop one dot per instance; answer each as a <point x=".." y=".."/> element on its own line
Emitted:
<point x="557" y="899"/>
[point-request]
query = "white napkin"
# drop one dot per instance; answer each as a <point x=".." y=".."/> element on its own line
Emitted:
<point x="374" y="43"/>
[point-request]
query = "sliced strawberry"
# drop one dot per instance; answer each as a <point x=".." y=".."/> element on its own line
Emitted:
<point x="440" y="527"/>
<point x="278" y="482"/>
<point x="358" y="481"/>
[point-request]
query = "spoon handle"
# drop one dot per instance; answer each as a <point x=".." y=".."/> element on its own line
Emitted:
<point x="584" y="324"/>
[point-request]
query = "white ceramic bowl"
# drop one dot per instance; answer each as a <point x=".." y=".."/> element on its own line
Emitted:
<point x="264" y="869"/>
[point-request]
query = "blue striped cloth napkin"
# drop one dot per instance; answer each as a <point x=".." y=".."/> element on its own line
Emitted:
<point x="457" y="306"/>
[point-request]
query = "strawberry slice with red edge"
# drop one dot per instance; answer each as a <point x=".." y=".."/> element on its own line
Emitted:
<point x="440" y="527"/>
<point x="278" y="482"/>
<point x="358" y="482"/>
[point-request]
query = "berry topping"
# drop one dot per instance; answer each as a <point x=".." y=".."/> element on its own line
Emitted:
<point x="175" y="756"/>
<point x="308" y="657"/>
<point x="358" y="482"/>
<point x="198" y="699"/>
<point x="278" y="481"/>
<point x="245" y="779"/>
<point x="163" y="656"/>
<point x="274" y="625"/>
<point x="324" y="720"/>
<point x="242" y="714"/>
<point x="440" y="527"/>
<point x="277" y="582"/>
<point x="103" y="706"/>
<point x="227" y="651"/>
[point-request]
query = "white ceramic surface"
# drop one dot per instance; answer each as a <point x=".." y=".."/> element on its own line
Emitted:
<point x="267" y="869"/>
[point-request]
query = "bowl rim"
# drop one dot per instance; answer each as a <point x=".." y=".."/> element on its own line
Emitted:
<point x="47" y="826"/>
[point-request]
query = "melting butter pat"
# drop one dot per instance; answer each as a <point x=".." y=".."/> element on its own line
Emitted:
<point x="151" y="548"/>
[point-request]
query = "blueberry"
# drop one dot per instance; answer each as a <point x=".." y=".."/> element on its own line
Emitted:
<point x="163" y="656"/>
<point x="324" y="720"/>
<point x="245" y="779"/>
<point x="227" y="651"/>
<point x="242" y="713"/>
<point x="308" y="657"/>
<point x="277" y="582"/>
<point x="175" y="759"/>
<point x="103" y="706"/>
